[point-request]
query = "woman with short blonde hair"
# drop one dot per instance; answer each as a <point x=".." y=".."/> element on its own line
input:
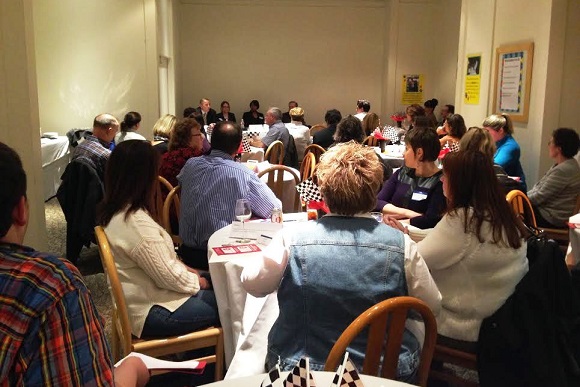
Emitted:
<point x="162" y="131"/>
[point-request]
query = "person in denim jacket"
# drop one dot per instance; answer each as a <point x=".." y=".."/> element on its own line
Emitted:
<point x="329" y="271"/>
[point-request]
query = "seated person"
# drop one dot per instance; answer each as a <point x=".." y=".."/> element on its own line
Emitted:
<point x="415" y="191"/>
<point x="277" y="131"/>
<point x="51" y="333"/>
<point x="370" y="123"/>
<point x="186" y="142"/>
<point x="253" y="116"/>
<point x="325" y="137"/>
<point x="554" y="196"/>
<point x="476" y="253"/>
<point x="299" y="131"/>
<point x="329" y="271"/>
<point x="164" y="297"/>
<point x="479" y="139"/>
<point x="129" y="127"/>
<point x="507" y="154"/>
<point x="162" y="131"/>
<point x="454" y="128"/>
<point x="225" y="114"/>
<point x="211" y="184"/>
<point x="350" y="129"/>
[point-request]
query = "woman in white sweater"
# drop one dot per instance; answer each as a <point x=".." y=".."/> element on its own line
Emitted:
<point x="164" y="297"/>
<point x="475" y="253"/>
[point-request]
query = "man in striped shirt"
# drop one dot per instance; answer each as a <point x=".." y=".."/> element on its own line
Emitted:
<point x="50" y="331"/>
<point x="210" y="186"/>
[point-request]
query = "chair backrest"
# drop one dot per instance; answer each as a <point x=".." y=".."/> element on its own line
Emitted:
<point x="387" y="318"/>
<point x="316" y="149"/>
<point x="307" y="166"/>
<point x="120" y="314"/>
<point x="371" y="141"/>
<point x="276" y="183"/>
<point x="316" y="128"/>
<point x="171" y="210"/>
<point x="275" y="153"/>
<point x="522" y="207"/>
<point x="165" y="185"/>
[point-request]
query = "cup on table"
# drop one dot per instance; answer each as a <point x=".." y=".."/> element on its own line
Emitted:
<point x="312" y="214"/>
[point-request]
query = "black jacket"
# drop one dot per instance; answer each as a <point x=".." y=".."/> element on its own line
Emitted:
<point x="534" y="338"/>
<point x="79" y="193"/>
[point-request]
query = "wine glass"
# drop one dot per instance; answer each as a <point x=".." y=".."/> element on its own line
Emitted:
<point x="243" y="213"/>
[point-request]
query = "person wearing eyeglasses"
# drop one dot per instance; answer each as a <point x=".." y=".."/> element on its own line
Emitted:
<point x="508" y="151"/>
<point x="225" y="114"/>
<point x="362" y="108"/>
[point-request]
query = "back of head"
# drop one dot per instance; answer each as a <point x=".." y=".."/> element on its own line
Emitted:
<point x="457" y="125"/>
<point x="332" y="117"/>
<point x="568" y="141"/>
<point x="415" y="111"/>
<point x="499" y="121"/>
<point x="472" y="184"/>
<point x="105" y="121"/>
<point x="431" y="103"/>
<point x="13" y="183"/>
<point x="350" y="176"/>
<point x="478" y="139"/>
<point x="423" y="121"/>
<point x="364" y="105"/>
<point x="226" y="137"/>
<point x="188" y="111"/>
<point x="182" y="132"/>
<point x="349" y="129"/>
<point x="451" y="108"/>
<point x="130" y="180"/>
<point x="297" y="114"/>
<point x="370" y="123"/>
<point x="131" y="119"/>
<point x="426" y="139"/>
<point x="164" y="126"/>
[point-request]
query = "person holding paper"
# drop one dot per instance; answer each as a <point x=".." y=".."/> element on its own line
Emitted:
<point x="329" y="271"/>
<point x="164" y="297"/>
<point x="50" y="330"/>
<point x="415" y="191"/>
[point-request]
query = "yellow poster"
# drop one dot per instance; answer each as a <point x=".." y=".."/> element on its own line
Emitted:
<point x="472" y="80"/>
<point x="412" y="89"/>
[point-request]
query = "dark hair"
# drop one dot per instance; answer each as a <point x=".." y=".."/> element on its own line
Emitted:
<point x="224" y="102"/>
<point x="472" y="185"/>
<point x="431" y="103"/>
<point x="568" y="141"/>
<point x="349" y="128"/>
<point x="332" y="117"/>
<point x="423" y="121"/>
<point x="415" y="111"/>
<point x="426" y="139"/>
<point x="13" y="183"/>
<point x="131" y="119"/>
<point x="131" y="181"/>
<point x="451" y="109"/>
<point x="294" y="102"/>
<point x="226" y="136"/>
<point x="364" y="105"/>
<point x="457" y="125"/>
<point x="181" y="135"/>
<point x="255" y="103"/>
<point x="188" y="111"/>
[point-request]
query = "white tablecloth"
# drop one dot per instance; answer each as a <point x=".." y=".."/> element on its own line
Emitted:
<point x="254" y="154"/>
<point x="393" y="154"/>
<point x="55" y="158"/>
<point x="246" y="320"/>
<point x="323" y="379"/>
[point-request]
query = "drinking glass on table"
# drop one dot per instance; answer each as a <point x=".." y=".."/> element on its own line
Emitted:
<point x="243" y="213"/>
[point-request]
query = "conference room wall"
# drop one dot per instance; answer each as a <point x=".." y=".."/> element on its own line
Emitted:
<point x="324" y="54"/>
<point x="93" y="57"/>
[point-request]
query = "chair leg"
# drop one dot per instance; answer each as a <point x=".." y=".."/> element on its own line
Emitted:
<point x="219" y="358"/>
<point x="116" y="343"/>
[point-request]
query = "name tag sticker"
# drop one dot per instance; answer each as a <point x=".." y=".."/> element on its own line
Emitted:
<point x="419" y="195"/>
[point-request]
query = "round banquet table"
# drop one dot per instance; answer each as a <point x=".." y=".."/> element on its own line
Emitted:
<point x="393" y="155"/>
<point x="322" y="379"/>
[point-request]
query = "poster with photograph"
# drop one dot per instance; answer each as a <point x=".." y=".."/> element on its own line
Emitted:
<point x="412" y="89"/>
<point x="472" y="80"/>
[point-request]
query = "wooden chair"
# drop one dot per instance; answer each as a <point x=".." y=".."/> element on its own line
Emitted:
<point x="275" y="153"/>
<point x="316" y="149"/>
<point x="522" y="207"/>
<point x="124" y="343"/>
<point x="172" y="206"/>
<point x="455" y="357"/>
<point x="371" y="141"/>
<point x="316" y="128"/>
<point x="387" y="318"/>
<point x="165" y="185"/>
<point x="562" y="235"/>
<point x="307" y="166"/>
<point x="276" y="184"/>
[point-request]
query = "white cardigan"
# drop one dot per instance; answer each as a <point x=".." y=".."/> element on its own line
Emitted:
<point x="474" y="278"/>
<point x="149" y="269"/>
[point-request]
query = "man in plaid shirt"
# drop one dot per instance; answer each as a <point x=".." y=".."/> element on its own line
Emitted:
<point x="50" y="331"/>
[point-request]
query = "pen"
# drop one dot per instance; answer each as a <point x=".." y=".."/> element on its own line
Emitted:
<point x="266" y="236"/>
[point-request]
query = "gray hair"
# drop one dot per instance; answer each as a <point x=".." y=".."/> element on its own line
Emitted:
<point x="276" y="112"/>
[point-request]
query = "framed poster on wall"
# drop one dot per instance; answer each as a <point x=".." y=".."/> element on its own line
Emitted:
<point x="513" y="79"/>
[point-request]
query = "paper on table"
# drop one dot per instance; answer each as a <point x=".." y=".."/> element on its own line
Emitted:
<point x="253" y="229"/>
<point x="191" y="366"/>
<point x="239" y="249"/>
